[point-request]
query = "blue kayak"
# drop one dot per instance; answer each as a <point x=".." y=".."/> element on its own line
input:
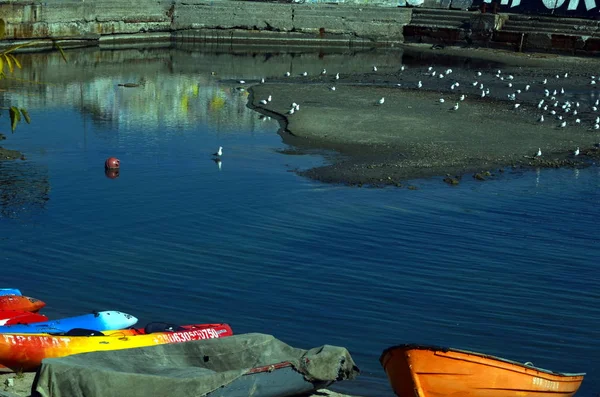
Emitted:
<point x="97" y="321"/>
<point x="9" y="291"/>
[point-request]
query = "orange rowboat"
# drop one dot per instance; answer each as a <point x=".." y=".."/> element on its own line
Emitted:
<point x="23" y="303"/>
<point x="428" y="371"/>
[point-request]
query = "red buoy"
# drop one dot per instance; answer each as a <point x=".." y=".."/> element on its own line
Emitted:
<point x="112" y="163"/>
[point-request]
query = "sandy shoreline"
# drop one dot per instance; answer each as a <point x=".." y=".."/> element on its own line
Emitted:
<point x="413" y="135"/>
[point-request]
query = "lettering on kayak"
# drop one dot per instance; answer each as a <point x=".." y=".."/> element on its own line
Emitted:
<point x="186" y="336"/>
<point x="35" y="340"/>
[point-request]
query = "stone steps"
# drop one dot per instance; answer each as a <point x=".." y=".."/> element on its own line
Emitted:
<point x="436" y="18"/>
<point x="551" y="25"/>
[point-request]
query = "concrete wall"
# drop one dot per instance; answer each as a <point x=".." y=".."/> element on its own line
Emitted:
<point x="91" y="20"/>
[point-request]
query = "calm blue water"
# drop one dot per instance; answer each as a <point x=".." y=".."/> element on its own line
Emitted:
<point x="507" y="267"/>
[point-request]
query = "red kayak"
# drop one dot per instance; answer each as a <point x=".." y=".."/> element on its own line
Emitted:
<point x="11" y="317"/>
<point x="23" y="303"/>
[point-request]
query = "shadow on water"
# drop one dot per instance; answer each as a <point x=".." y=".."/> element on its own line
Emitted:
<point x="502" y="267"/>
<point x="24" y="189"/>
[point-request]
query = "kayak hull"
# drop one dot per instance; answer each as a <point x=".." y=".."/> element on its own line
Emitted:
<point x="25" y="352"/>
<point x="98" y="321"/>
<point x="12" y="317"/>
<point x="24" y="303"/>
<point x="9" y="291"/>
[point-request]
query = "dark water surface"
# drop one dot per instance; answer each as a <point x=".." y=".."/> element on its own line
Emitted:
<point x="506" y="267"/>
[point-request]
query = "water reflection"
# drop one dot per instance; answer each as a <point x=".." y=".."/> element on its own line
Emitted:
<point x="174" y="88"/>
<point x="112" y="173"/>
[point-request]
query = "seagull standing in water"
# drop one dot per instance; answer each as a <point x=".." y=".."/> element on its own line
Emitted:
<point x="219" y="152"/>
<point x="455" y="107"/>
<point x="382" y="100"/>
<point x="576" y="152"/>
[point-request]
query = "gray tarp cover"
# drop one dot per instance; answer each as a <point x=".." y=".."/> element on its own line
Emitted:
<point x="183" y="369"/>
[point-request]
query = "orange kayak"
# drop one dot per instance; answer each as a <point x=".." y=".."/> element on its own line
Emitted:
<point x="25" y="352"/>
<point x="23" y="303"/>
<point x="12" y="317"/>
<point x="428" y="371"/>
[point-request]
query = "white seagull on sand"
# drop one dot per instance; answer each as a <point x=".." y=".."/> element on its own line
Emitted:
<point x="576" y="152"/>
<point x="539" y="152"/>
<point x="381" y="101"/>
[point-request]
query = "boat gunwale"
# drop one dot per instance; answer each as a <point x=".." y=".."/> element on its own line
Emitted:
<point x="413" y="346"/>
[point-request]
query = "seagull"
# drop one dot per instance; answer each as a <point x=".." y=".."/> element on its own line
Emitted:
<point x="332" y="88"/>
<point x="269" y="98"/>
<point x="478" y="74"/>
<point x="429" y="69"/>
<point x="442" y="100"/>
<point x="475" y="83"/>
<point x="374" y="68"/>
<point x="563" y="124"/>
<point x="510" y="77"/>
<point x="455" y="107"/>
<point x="297" y="107"/>
<point x="305" y="74"/>
<point x="287" y="74"/>
<point x="242" y="82"/>
<point x="517" y="105"/>
<point x="539" y="152"/>
<point x="382" y="100"/>
<point x="262" y="81"/>
<point x="419" y="84"/>
<point x="337" y="76"/>
<point x="263" y="102"/>
<point x="566" y="75"/>
<point x="527" y="87"/>
<point x="324" y="71"/>
<point x="441" y="76"/>
<point x="462" y="97"/>
<point x="596" y="126"/>
<point x="402" y="68"/>
<point x="545" y="81"/>
<point x="291" y="111"/>
<point x="541" y="119"/>
<point x="219" y="152"/>
<point x="576" y="152"/>
<point x="448" y="71"/>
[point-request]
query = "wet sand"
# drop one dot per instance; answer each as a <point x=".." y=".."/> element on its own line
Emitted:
<point x="413" y="135"/>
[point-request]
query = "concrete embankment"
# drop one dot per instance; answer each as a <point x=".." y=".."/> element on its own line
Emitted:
<point x="350" y="24"/>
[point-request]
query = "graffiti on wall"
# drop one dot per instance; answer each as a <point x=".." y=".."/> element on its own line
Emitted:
<point x="574" y="8"/>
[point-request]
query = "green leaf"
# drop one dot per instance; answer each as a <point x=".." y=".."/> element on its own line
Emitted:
<point x="15" y="60"/>
<point x="26" y="115"/>
<point x="15" y="117"/>
<point x="62" y="53"/>
<point x="9" y="63"/>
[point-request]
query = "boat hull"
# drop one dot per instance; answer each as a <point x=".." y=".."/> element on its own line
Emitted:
<point x="24" y="303"/>
<point x="99" y="321"/>
<point x="25" y="352"/>
<point x="12" y="317"/>
<point x="426" y="371"/>
<point x="9" y="291"/>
